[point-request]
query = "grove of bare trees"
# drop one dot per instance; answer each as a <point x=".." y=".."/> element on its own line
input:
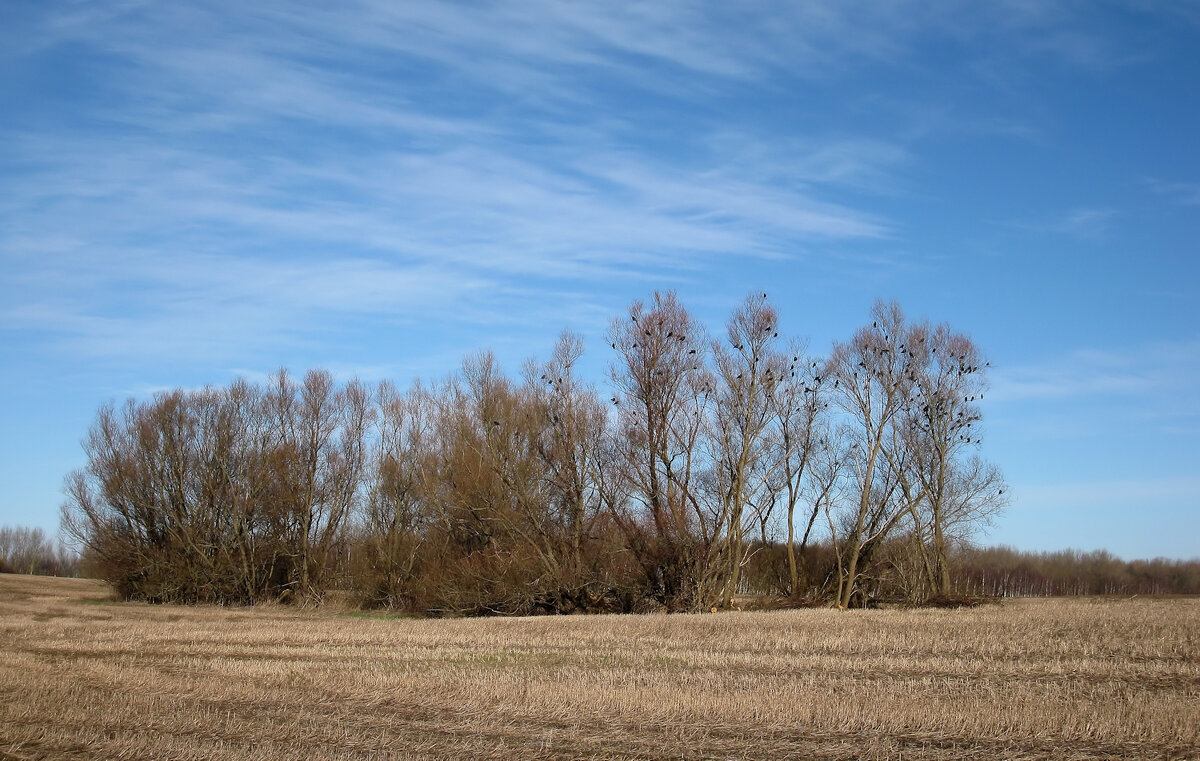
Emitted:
<point x="30" y="550"/>
<point x="704" y="457"/>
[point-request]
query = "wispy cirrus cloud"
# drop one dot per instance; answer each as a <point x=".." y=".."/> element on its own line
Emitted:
<point x="293" y="163"/>
<point x="1161" y="367"/>
<point x="1089" y="394"/>
<point x="232" y="178"/>
<point x="1178" y="193"/>
<point x="1083" y="222"/>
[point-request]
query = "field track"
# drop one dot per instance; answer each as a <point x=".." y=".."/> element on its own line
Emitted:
<point x="82" y="677"/>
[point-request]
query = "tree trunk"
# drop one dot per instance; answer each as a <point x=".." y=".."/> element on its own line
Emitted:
<point x="793" y="572"/>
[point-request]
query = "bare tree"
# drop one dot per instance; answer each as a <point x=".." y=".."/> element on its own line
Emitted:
<point x="518" y="484"/>
<point x="397" y="509"/>
<point x="874" y="378"/>
<point x="318" y="454"/>
<point x="217" y="494"/>
<point x="798" y="406"/>
<point x="939" y="427"/>
<point x="749" y="372"/>
<point x="573" y="427"/>
<point x="491" y="511"/>
<point x="241" y="480"/>
<point x="663" y="394"/>
<point x="139" y="507"/>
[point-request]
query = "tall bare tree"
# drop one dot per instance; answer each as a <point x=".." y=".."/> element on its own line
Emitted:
<point x="318" y="454"/>
<point x="874" y="374"/>
<point x="798" y="407"/>
<point x="573" y="426"/>
<point x="749" y="373"/>
<point x="494" y="509"/>
<point x="663" y="394"/>
<point x="939" y="427"/>
<point x="397" y="506"/>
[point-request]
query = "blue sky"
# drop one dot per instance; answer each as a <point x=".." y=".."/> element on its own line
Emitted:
<point x="192" y="192"/>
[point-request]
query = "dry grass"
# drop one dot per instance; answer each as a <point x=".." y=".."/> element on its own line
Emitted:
<point x="1078" y="679"/>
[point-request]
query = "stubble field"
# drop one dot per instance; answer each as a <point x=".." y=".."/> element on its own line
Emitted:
<point x="81" y="677"/>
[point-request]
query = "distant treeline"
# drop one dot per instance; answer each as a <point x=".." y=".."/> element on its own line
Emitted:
<point x="484" y="494"/>
<point x="1005" y="572"/>
<point x="998" y="572"/>
<point x="29" y="550"/>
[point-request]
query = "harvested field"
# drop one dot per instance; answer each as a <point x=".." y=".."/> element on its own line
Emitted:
<point x="82" y="677"/>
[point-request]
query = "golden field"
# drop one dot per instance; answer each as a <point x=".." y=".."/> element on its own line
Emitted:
<point x="83" y="677"/>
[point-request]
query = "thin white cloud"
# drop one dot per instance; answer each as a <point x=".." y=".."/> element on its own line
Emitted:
<point x="1163" y="367"/>
<point x="1084" y="222"/>
<point x="1178" y="193"/>
<point x="289" y="164"/>
<point x="1087" y="394"/>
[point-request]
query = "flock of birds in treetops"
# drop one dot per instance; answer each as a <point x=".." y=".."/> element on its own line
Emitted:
<point x="960" y="423"/>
